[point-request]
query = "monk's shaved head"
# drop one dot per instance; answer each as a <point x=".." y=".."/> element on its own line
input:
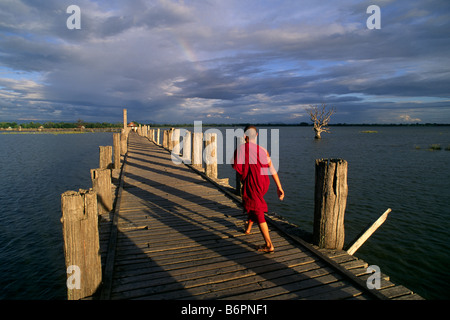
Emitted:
<point x="250" y="131"/>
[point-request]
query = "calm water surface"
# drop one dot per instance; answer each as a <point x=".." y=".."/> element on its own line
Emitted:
<point x="391" y="168"/>
<point x="35" y="170"/>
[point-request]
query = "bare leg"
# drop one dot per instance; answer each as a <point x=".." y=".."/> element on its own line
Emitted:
<point x="265" y="233"/>
<point x="249" y="227"/>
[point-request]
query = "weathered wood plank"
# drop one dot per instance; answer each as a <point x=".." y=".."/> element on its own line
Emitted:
<point x="360" y="241"/>
<point x="241" y="279"/>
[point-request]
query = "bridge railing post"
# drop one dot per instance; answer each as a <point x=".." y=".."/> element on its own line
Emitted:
<point x="105" y="157"/>
<point x="81" y="243"/>
<point x="124" y="141"/>
<point x="187" y="147"/>
<point x="116" y="147"/>
<point x="101" y="184"/>
<point x="330" y="200"/>
<point x="211" y="155"/>
<point x="197" y="150"/>
<point x="176" y="141"/>
<point x="239" y="142"/>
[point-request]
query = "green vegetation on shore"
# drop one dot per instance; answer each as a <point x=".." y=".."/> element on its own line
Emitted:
<point x="434" y="147"/>
<point x="14" y="125"/>
<point x="301" y="124"/>
<point x="46" y="132"/>
<point x="369" y="131"/>
<point x="59" y="125"/>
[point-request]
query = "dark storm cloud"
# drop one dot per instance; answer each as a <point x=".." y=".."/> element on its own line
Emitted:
<point x="224" y="61"/>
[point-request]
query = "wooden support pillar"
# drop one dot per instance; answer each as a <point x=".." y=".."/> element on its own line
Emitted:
<point x="124" y="141"/>
<point x="197" y="150"/>
<point x="176" y="142"/>
<point x="165" y="135"/>
<point x="157" y="135"/>
<point x="105" y="161"/>
<point x="169" y="139"/>
<point x="330" y="200"/>
<point x="101" y="184"/>
<point x="211" y="155"/>
<point x="151" y="135"/>
<point x="81" y="243"/>
<point x="239" y="142"/>
<point x="116" y="141"/>
<point x="187" y="147"/>
<point x="125" y="124"/>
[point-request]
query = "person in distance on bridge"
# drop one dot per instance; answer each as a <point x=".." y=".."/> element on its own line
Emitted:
<point x="253" y="164"/>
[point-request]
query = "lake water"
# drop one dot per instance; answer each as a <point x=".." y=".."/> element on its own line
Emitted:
<point x="391" y="168"/>
<point x="35" y="170"/>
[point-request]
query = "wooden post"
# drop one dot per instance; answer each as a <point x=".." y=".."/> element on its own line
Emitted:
<point x="151" y="135"/>
<point x="197" y="150"/>
<point x="116" y="140"/>
<point x="176" y="142"/>
<point x="169" y="139"/>
<point x="187" y="147"/>
<point x="105" y="157"/>
<point x="81" y="243"/>
<point x="125" y="124"/>
<point x="165" y="134"/>
<point x="211" y="155"/>
<point x="330" y="200"/>
<point x="124" y="141"/>
<point x="239" y="142"/>
<point x="101" y="184"/>
<point x="157" y="135"/>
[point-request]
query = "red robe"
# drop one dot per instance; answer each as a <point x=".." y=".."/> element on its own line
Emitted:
<point x="253" y="167"/>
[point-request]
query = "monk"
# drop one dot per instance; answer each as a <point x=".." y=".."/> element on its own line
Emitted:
<point x="253" y="164"/>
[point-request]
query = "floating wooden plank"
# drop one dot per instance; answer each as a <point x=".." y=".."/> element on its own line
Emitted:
<point x="360" y="241"/>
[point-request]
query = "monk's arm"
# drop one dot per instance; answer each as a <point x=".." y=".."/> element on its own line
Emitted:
<point x="277" y="181"/>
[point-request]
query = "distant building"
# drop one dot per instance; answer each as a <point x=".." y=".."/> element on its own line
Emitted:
<point x="133" y="126"/>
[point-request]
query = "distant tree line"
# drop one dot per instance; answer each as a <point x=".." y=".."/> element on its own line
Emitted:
<point x="59" y="125"/>
<point x="81" y="123"/>
<point x="301" y="124"/>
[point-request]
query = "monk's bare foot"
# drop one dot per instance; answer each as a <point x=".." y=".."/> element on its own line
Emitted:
<point x="266" y="249"/>
<point x="247" y="228"/>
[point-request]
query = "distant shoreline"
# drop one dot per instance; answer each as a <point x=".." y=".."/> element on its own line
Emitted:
<point x="73" y="129"/>
<point x="56" y="130"/>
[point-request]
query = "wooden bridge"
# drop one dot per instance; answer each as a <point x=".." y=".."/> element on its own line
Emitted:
<point x="175" y="234"/>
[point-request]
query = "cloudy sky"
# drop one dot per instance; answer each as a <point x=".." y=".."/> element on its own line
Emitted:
<point x="224" y="61"/>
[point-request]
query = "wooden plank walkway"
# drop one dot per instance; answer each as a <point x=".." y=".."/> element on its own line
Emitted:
<point x="176" y="235"/>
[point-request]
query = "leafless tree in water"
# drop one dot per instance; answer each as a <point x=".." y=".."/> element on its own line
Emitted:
<point x="321" y="117"/>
